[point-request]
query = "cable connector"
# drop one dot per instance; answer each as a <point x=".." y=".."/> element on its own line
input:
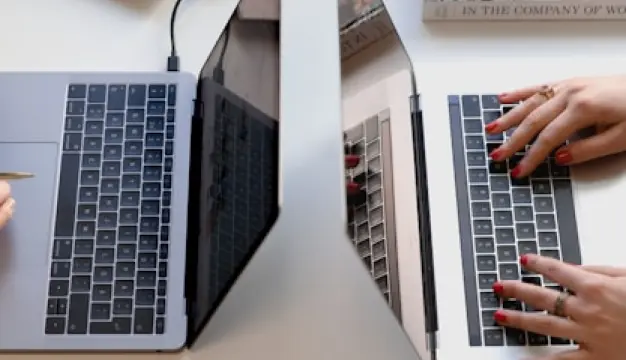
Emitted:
<point x="173" y="63"/>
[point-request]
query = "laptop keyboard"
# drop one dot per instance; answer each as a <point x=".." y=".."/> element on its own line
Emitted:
<point x="371" y="226"/>
<point x="502" y="218"/>
<point x="108" y="269"/>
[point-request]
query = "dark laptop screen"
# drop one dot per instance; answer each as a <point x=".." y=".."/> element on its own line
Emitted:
<point x="234" y="199"/>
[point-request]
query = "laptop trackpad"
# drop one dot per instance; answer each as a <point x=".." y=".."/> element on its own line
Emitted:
<point x="25" y="242"/>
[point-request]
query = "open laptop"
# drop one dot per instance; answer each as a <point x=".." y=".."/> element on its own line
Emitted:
<point x="151" y="193"/>
<point x="482" y="220"/>
<point x="436" y="235"/>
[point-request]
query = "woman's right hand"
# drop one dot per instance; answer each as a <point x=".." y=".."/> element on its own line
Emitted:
<point x="7" y="203"/>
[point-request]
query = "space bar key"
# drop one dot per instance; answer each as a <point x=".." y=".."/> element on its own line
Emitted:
<point x="116" y="326"/>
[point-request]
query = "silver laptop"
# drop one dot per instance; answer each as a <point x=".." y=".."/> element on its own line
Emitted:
<point x="437" y="223"/>
<point x="151" y="193"/>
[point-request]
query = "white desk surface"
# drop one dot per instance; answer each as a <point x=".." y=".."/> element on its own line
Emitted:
<point x="133" y="35"/>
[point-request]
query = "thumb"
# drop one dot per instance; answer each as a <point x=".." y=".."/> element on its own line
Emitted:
<point x="609" y="142"/>
<point x="612" y="271"/>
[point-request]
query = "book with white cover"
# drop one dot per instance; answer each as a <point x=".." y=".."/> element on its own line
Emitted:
<point x="442" y="10"/>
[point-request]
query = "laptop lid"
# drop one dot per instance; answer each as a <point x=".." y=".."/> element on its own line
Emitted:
<point x="387" y="197"/>
<point x="234" y="174"/>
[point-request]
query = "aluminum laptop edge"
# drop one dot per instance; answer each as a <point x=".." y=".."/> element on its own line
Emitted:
<point x="598" y="194"/>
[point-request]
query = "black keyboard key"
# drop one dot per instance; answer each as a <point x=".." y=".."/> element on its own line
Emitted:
<point x="161" y="309"/>
<point x="75" y="107"/>
<point x="147" y="260"/>
<point x="471" y="105"/>
<point x="479" y="192"/>
<point x="497" y="167"/>
<point x="473" y="126"/>
<point x="486" y="281"/>
<point x="96" y="93"/>
<point x="122" y="306"/>
<point x="478" y="176"/>
<point x="547" y="239"/>
<point x="55" y="326"/>
<point x="507" y="253"/>
<point x="494" y="337"/>
<point x="100" y="311"/>
<point x="490" y="102"/>
<point x="508" y="272"/>
<point x="543" y="204"/>
<point x="505" y="236"/>
<point x="80" y="283"/>
<point x="59" y="287"/>
<point x="125" y="269"/>
<point x="143" y="321"/>
<point x="66" y="199"/>
<point x="169" y="132"/>
<point x="151" y="190"/>
<point x="488" y="319"/>
<point x="137" y="116"/>
<point x="60" y="269"/>
<point x="503" y="218"/>
<point x="483" y="227"/>
<point x="145" y="297"/>
<point x="162" y="286"/>
<point x="515" y="337"/>
<point x="82" y="265"/>
<point x="168" y="164"/>
<point x="521" y="196"/>
<point x="123" y="288"/>
<point x="167" y="198"/>
<point x="74" y="123"/>
<point x="523" y="213"/>
<point x="62" y="249"/>
<point x="57" y="306"/>
<point x="545" y="222"/>
<point x="486" y="263"/>
<point x="78" y="314"/>
<point x="153" y="156"/>
<point x="83" y="247"/>
<point x="157" y="91"/>
<point x="77" y="91"/>
<point x="489" y="300"/>
<point x="114" y="136"/>
<point x="481" y="209"/>
<point x="106" y="237"/>
<point x="559" y="341"/>
<point x="159" y="327"/>
<point x="476" y="158"/>
<point x="130" y="198"/>
<point x="537" y="339"/>
<point x="93" y="144"/>
<point x="148" y="242"/>
<point x="171" y="115"/>
<point x="116" y="99"/>
<point x="114" y="119"/>
<point x="154" y="140"/>
<point x="474" y="143"/>
<point x="85" y="229"/>
<point x="525" y="231"/>
<point x="128" y="233"/>
<point x="146" y="278"/>
<point x="103" y="274"/>
<point x="484" y="245"/>
<point x="171" y="95"/>
<point x="156" y="108"/>
<point x="136" y="95"/>
<point x="117" y="326"/>
<point x="111" y="168"/>
<point x="102" y="292"/>
<point x="95" y="111"/>
<point x="501" y="201"/>
<point x="110" y="186"/>
<point x="105" y="256"/>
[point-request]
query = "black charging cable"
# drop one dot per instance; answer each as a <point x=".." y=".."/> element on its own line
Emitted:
<point x="173" y="62"/>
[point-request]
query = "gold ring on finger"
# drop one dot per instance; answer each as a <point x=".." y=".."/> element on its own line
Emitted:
<point x="547" y="92"/>
<point x="559" y="304"/>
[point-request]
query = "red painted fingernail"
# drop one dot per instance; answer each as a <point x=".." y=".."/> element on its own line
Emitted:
<point x="498" y="288"/>
<point x="563" y="157"/>
<point x="353" y="188"/>
<point x="499" y="316"/>
<point x="516" y="171"/>
<point x="523" y="260"/>
<point x="496" y="154"/>
<point x="491" y="127"/>
<point x="352" y="161"/>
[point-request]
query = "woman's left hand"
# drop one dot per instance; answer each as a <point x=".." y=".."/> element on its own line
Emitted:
<point x="595" y="317"/>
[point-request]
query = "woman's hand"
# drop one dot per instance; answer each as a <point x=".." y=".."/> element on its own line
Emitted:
<point x="594" y="317"/>
<point x="553" y="113"/>
<point x="7" y="203"/>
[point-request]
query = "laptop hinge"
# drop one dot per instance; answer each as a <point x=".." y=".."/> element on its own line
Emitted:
<point x="424" y="226"/>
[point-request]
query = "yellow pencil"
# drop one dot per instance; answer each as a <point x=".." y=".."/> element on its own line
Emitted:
<point x="15" y="175"/>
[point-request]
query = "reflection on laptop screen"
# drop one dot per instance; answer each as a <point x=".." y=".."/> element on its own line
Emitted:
<point x="380" y="177"/>
<point x="235" y="174"/>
